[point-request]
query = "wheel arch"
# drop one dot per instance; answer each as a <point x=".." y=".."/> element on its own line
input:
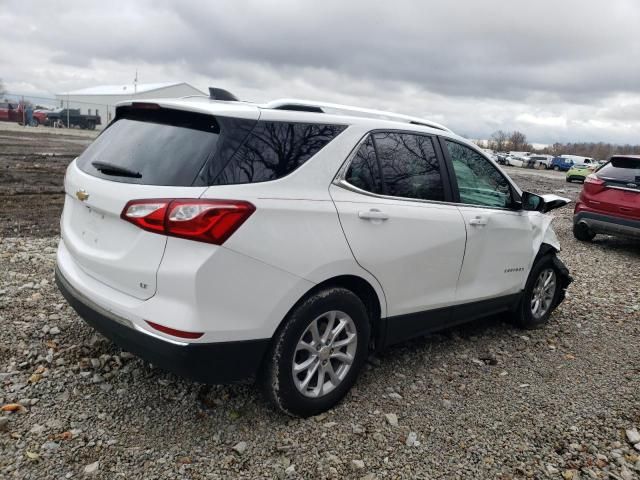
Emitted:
<point x="364" y="290"/>
<point x="565" y="276"/>
<point x="545" y="249"/>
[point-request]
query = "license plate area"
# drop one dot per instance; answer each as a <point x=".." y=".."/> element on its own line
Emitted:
<point x="92" y="225"/>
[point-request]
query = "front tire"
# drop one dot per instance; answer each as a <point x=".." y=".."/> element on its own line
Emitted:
<point x="317" y="354"/>
<point x="541" y="294"/>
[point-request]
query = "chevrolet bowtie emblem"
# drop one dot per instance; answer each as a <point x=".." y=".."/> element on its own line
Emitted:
<point x="82" y="195"/>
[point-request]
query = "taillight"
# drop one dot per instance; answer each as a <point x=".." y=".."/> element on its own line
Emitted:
<point x="211" y="221"/>
<point x="593" y="184"/>
<point x="593" y="179"/>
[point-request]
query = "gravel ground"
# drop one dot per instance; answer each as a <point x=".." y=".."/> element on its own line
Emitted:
<point x="32" y="165"/>
<point x="481" y="401"/>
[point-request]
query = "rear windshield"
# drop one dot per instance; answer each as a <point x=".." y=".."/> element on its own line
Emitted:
<point x="153" y="148"/>
<point x="621" y="170"/>
<point x="174" y="148"/>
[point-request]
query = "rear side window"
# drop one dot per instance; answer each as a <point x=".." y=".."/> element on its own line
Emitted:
<point x="621" y="170"/>
<point x="410" y="167"/>
<point x="364" y="171"/>
<point x="275" y="149"/>
<point x="161" y="147"/>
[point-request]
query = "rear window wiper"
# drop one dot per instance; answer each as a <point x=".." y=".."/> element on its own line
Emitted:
<point x="111" y="169"/>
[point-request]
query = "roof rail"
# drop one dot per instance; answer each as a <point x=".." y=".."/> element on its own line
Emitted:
<point x="321" y="107"/>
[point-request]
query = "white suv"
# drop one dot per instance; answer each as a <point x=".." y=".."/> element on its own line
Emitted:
<point x="228" y="241"/>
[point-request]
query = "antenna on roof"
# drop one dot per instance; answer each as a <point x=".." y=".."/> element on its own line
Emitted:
<point x="222" y="94"/>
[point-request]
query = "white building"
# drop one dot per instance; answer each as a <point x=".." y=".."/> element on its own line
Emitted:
<point x="102" y="100"/>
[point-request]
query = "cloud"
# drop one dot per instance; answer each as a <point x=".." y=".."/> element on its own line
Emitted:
<point x="556" y="70"/>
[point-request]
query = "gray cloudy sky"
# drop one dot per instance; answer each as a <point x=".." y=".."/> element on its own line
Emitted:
<point x="557" y="70"/>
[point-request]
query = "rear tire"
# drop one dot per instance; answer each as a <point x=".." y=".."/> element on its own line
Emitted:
<point x="582" y="232"/>
<point x="309" y="370"/>
<point x="541" y="294"/>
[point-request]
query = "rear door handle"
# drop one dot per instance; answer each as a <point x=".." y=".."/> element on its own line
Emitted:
<point x="373" y="214"/>
<point x="478" y="221"/>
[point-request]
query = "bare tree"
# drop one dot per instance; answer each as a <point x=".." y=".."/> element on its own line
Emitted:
<point x="518" y="141"/>
<point x="498" y="141"/>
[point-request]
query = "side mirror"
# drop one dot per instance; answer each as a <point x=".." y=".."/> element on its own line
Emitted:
<point x="531" y="202"/>
<point x="542" y="203"/>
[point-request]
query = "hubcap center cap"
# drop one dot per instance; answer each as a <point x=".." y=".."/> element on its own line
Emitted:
<point x="324" y="353"/>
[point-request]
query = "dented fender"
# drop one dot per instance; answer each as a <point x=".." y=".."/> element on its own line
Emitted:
<point x="545" y="239"/>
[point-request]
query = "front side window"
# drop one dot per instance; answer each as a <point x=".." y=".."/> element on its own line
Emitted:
<point x="364" y="171"/>
<point x="479" y="182"/>
<point x="275" y="149"/>
<point x="410" y="167"/>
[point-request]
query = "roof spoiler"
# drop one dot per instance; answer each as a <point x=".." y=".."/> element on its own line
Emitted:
<point x="222" y="95"/>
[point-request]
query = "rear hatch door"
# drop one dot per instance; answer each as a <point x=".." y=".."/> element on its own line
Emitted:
<point x="621" y="193"/>
<point x="146" y="153"/>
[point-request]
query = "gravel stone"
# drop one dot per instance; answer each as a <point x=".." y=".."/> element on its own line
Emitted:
<point x="91" y="469"/>
<point x="240" y="447"/>
<point x="632" y="435"/>
<point x="412" y="440"/>
<point x="392" y="419"/>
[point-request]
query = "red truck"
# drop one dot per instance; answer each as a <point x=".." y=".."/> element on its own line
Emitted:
<point x="10" y="112"/>
<point x="14" y="112"/>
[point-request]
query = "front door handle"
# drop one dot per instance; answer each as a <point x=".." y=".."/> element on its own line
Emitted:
<point x="478" y="221"/>
<point x="373" y="214"/>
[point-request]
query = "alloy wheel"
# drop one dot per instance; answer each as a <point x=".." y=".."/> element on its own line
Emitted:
<point x="543" y="292"/>
<point x="324" y="354"/>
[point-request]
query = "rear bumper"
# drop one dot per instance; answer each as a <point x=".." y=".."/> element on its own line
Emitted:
<point x="571" y="178"/>
<point x="600" y="223"/>
<point x="215" y="363"/>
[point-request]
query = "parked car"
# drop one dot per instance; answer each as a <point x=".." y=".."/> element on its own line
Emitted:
<point x="9" y="112"/>
<point x="579" y="172"/>
<point x="541" y="161"/>
<point x="227" y="241"/>
<point x="40" y="117"/>
<point x="515" y="161"/>
<point x="610" y="200"/>
<point x="565" y="162"/>
<point x="501" y="158"/>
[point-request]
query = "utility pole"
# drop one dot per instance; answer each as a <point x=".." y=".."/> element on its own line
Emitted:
<point x="135" y="83"/>
<point x="24" y="120"/>
<point x="68" y="110"/>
